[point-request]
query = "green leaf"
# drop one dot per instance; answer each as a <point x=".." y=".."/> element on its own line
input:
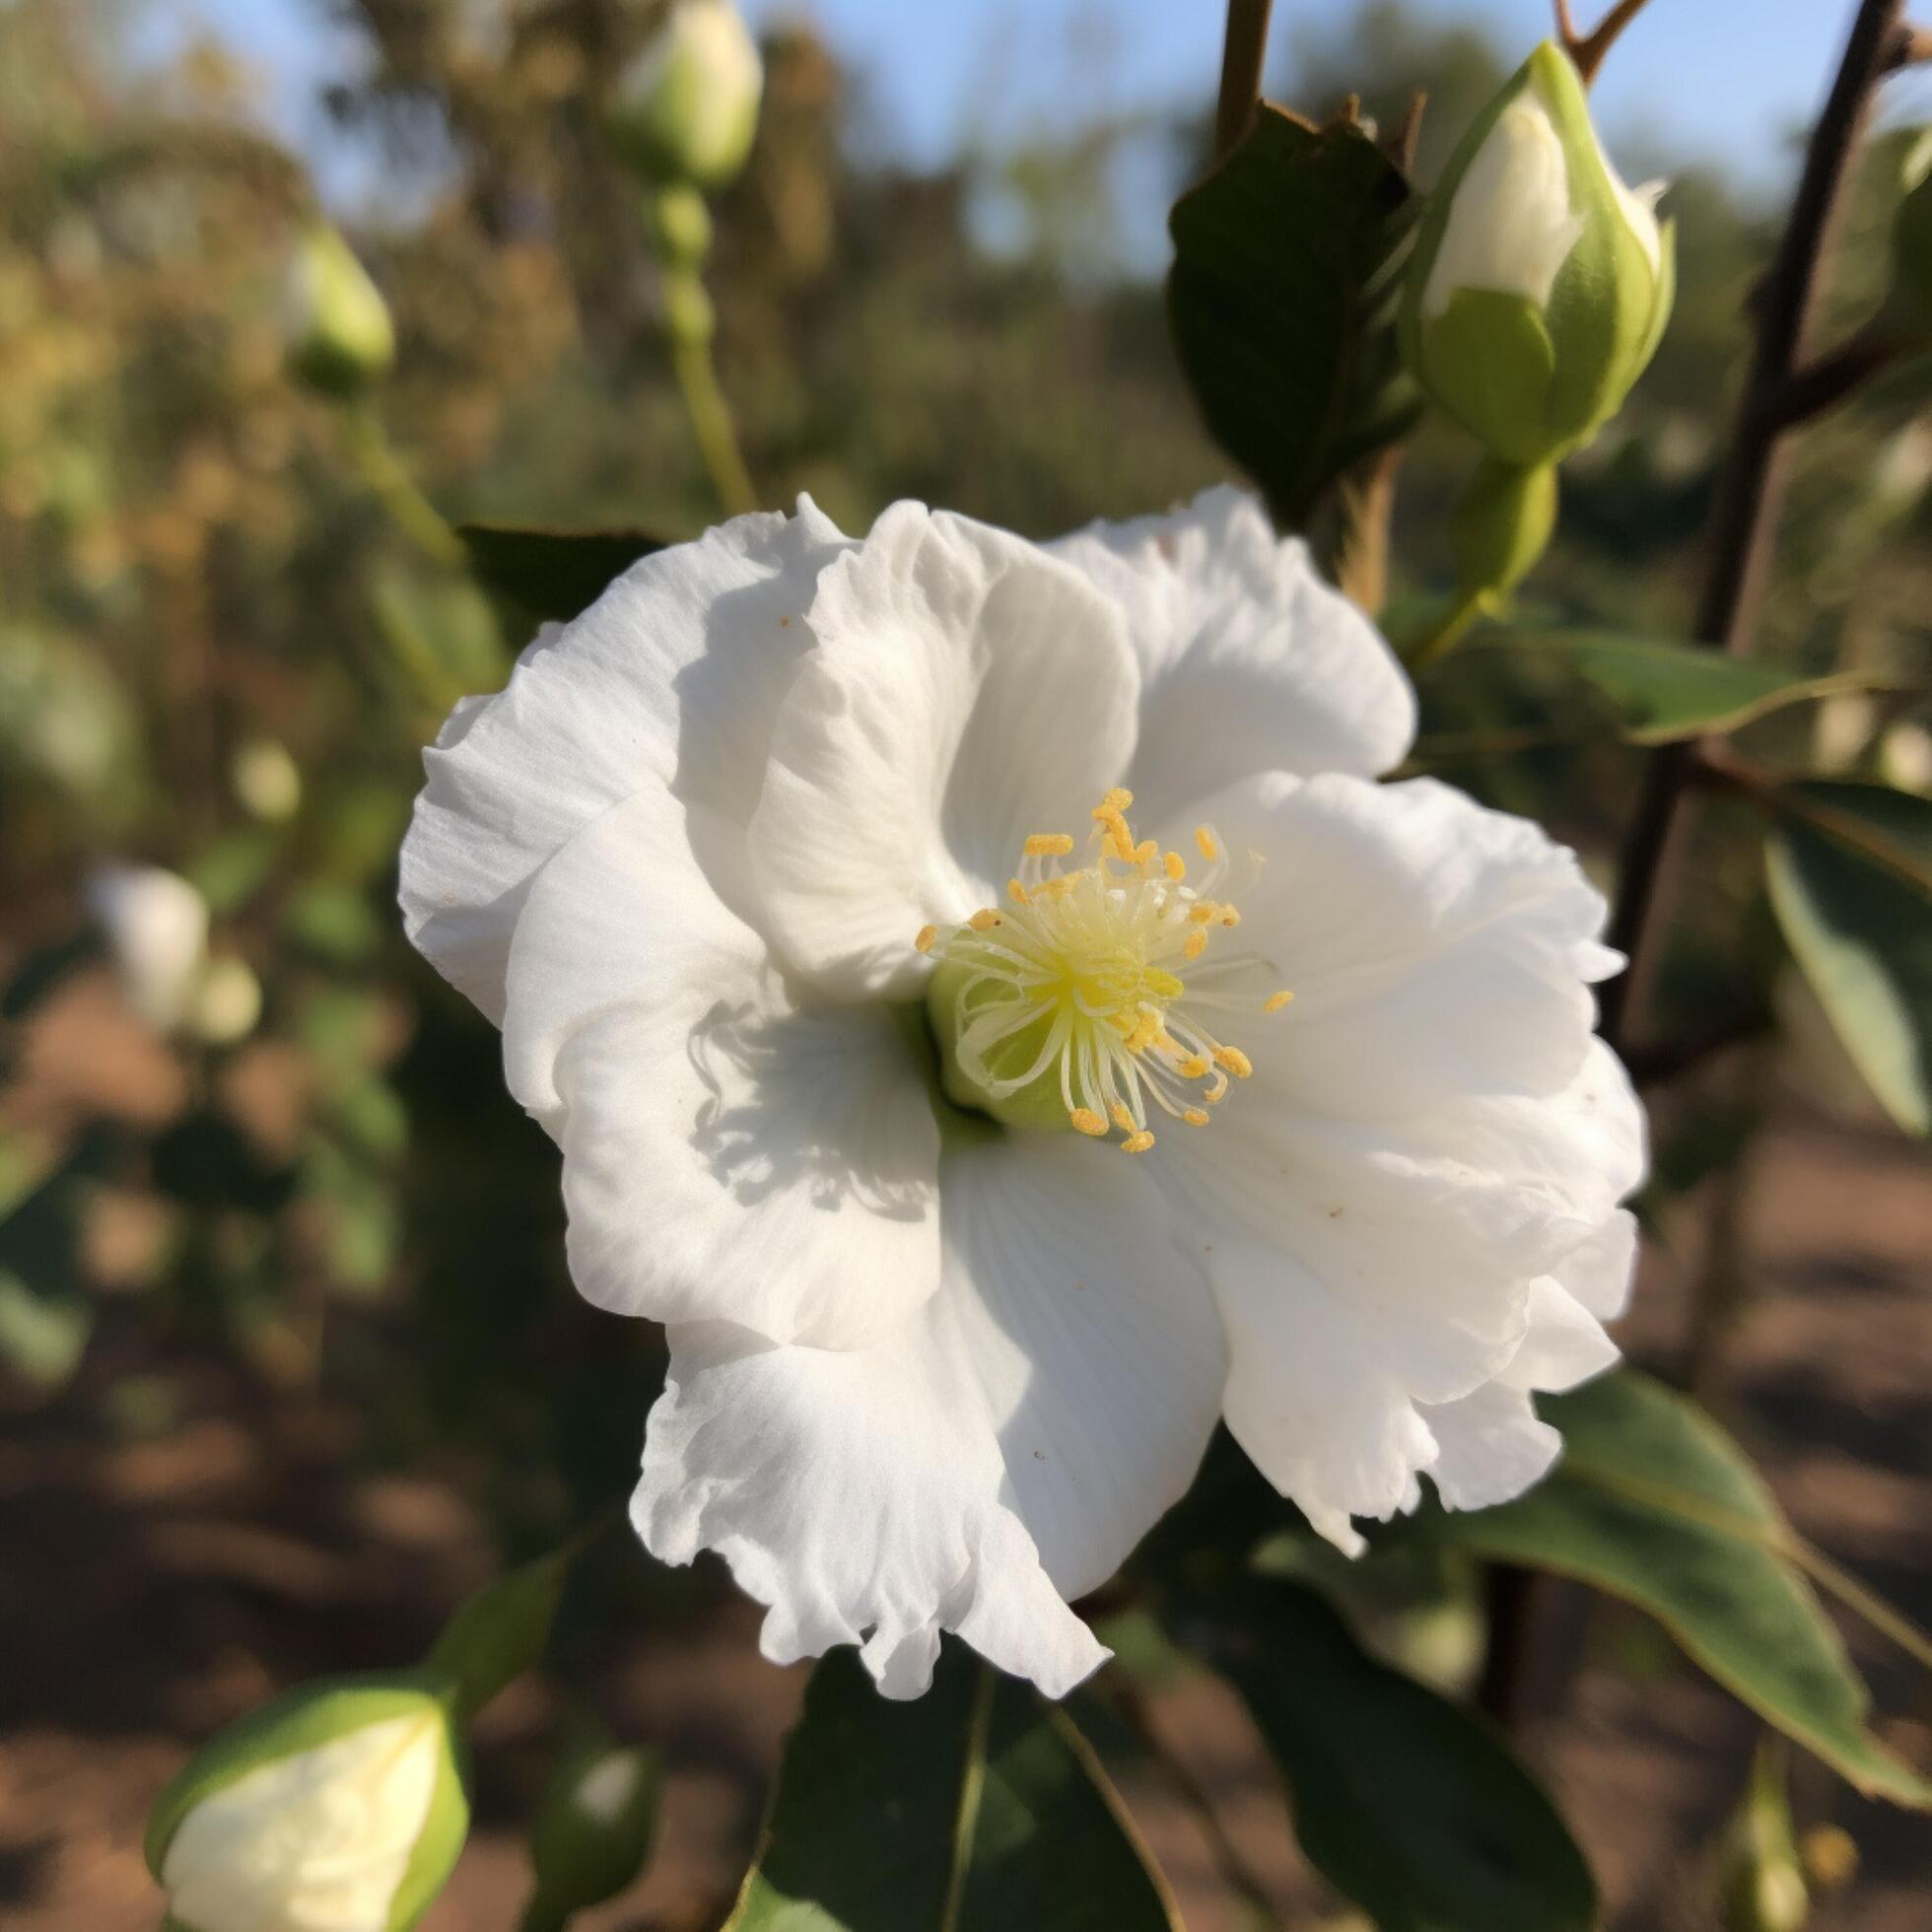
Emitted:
<point x="976" y="1807"/>
<point x="1403" y="1801"/>
<point x="1844" y="867"/>
<point x="1660" y="689"/>
<point x="1280" y="303"/>
<point x="1654" y="1503"/>
<point x="552" y="573"/>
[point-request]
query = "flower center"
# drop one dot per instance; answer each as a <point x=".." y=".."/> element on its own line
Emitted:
<point x="1087" y="1000"/>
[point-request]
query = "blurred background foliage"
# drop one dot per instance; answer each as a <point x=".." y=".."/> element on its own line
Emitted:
<point x="220" y="651"/>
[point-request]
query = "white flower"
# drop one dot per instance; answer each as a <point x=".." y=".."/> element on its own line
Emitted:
<point x="931" y="1376"/>
<point x="320" y="1840"/>
<point x="156" y="925"/>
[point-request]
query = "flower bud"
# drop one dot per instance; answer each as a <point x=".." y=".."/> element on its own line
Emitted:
<point x="594" y="1829"/>
<point x="1541" y="284"/>
<point x="266" y="780"/>
<point x="338" y="1808"/>
<point x="337" y="326"/>
<point x="156" y="925"/>
<point x="687" y="107"/>
<point x="678" y="225"/>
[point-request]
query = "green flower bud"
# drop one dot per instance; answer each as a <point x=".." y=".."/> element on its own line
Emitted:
<point x="339" y="335"/>
<point x="689" y="318"/>
<point x="1541" y="284"/>
<point x="1911" y="235"/>
<point x="678" y="223"/>
<point x="687" y="107"/>
<point x="1502" y="525"/>
<point x="266" y="781"/>
<point x="339" y="1805"/>
<point x="594" y="1829"/>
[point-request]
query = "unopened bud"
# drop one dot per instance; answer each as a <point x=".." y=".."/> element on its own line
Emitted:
<point x="678" y="225"/>
<point x="594" y="1829"/>
<point x="339" y="337"/>
<point x="686" y="109"/>
<point x="156" y="925"/>
<point x="339" y="1807"/>
<point x="1541" y="284"/>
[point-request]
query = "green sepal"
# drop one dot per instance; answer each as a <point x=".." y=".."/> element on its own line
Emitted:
<point x="497" y="1633"/>
<point x="1489" y="360"/>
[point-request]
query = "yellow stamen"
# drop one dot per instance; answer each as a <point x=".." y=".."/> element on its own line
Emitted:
<point x="1195" y="1115"/>
<point x="1146" y="852"/>
<point x="1177" y="867"/>
<point x="1195" y="1066"/>
<point x="1118" y="798"/>
<point x="1236" y="1060"/>
<point x="1137" y="1144"/>
<point x="926" y="934"/>
<point x="1049" y="844"/>
<point x="1197" y="943"/>
<point x="1229" y="916"/>
<point x="1204" y="839"/>
<point x="1122" y="1117"/>
<point x="1016" y="892"/>
<point x="1087" y="1121"/>
<point x="1200" y="915"/>
<point x="984" y="920"/>
<point x="1277" y="1000"/>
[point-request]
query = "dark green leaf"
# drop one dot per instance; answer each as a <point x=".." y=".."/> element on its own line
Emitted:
<point x="499" y="1630"/>
<point x="1660" y="689"/>
<point x="1841" y="869"/>
<point x="45" y="971"/>
<point x="1280" y="303"/>
<point x="976" y="1807"/>
<point x="552" y="573"/>
<point x="1403" y="1801"/>
<point x="1654" y="1503"/>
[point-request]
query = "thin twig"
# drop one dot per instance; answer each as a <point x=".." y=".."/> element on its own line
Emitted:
<point x="1587" y="50"/>
<point x="1242" y="52"/>
<point x="1911" y="47"/>
<point x="1822" y="383"/>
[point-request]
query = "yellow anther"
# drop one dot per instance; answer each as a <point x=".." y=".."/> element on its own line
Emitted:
<point x="1197" y="943"/>
<point x="1120" y="1116"/>
<point x="1087" y="1121"/>
<point x="1236" y="1060"/>
<point x="926" y="934"/>
<point x="1229" y="916"/>
<point x="1016" y="892"/>
<point x="1277" y="1000"/>
<point x="1200" y="915"/>
<point x="1177" y="867"/>
<point x="1137" y="1144"/>
<point x="1204" y="839"/>
<point x="1121" y="839"/>
<point x="985" y="920"/>
<point x="1146" y="852"/>
<point x="1049" y="844"/>
<point x="1195" y="1115"/>
<point x="1195" y="1066"/>
<point x="1162" y="985"/>
<point x="1118" y="798"/>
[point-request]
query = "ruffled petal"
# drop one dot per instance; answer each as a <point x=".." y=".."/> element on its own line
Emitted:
<point x="1430" y="1149"/>
<point x="998" y="1454"/>
<point x="1250" y="662"/>
<point x="671" y="677"/>
<point x="729" y="1155"/>
<point x="1490" y="1446"/>
<point x="966" y="690"/>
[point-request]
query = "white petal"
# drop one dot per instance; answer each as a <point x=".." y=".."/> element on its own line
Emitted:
<point x="1250" y="662"/>
<point x="1600" y="1273"/>
<point x="1434" y="948"/>
<point x="1490" y="1447"/>
<point x="728" y="1154"/>
<point x="1565" y="1344"/>
<point x="670" y="677"/>
<point x="997" y="1455"/>
<point x="966" y="690"/>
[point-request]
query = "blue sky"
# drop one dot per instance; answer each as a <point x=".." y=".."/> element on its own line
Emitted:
<point x="1725" y="79"/>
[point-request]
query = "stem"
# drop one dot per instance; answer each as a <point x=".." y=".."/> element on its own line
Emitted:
<point x="1824" y="381"/>
<point x="375" y="459"/>
<point x="1746" y="515"/>
<point x="1242" y="51"/>
<point x="711" y="422"/>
